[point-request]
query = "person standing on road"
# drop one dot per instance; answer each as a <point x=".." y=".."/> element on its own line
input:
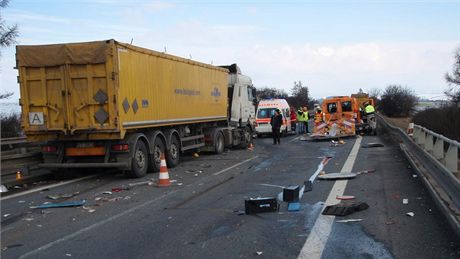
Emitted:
<point x="305" y="116"/>
<point x="300" y="121"/>
<point x="276" y="122"/>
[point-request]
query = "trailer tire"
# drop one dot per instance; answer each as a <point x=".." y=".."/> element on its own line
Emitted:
<point x="158" y="149"/>
<point x="140" y="160"/>
<point x="219" y="143"/>
<point x="173" y="153"/>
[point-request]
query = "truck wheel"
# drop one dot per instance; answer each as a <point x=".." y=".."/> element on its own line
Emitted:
<point x="173" y="154"/>
<point x="140" y="161"/>
<point x="247" y="138"/>
<point x="219" y="143"/>
<point x="158" y="149"/>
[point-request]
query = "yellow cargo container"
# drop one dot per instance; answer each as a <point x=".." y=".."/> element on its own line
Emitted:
<point x="111" y="104"/>
<point x="101" y="90"/>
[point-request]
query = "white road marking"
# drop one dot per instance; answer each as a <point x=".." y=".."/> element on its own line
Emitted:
<point x="107" y="220"/>
<point x="233" y="166"/>
<point x="316" y="241"/>
<point x="46" y="187"/>
<point x="100" y="223"/>
<point x="294" y="138"/>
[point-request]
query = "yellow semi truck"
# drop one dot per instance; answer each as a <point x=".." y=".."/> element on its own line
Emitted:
<point x="109" y="104"/>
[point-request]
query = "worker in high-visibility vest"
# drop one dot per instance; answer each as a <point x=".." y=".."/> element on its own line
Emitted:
<point x="368" y="109"/>
<point x="319" y="116"/>
<point x="302" y="118"/>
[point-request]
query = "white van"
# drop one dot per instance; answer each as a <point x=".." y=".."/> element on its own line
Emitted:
<point x="266" y="109"/>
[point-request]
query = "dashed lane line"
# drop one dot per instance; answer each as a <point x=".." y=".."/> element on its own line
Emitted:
<point x="46" y="187"/>
<point x="231" y="167"/>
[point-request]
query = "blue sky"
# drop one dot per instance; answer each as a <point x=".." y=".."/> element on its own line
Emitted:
<point x="334" y="47"/>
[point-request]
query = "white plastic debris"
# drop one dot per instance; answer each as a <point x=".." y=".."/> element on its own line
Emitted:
<point x="414" y="176"/>
<point x="6" y="215"/>
<point x="410" y="214"/>
<point x="259" y="252"/>
<point x="349" y="220"/>
<point x="405" y="201"/>
<point x="3" y="188"/>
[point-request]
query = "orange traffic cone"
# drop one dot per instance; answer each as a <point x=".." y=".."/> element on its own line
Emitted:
<point x="163" y="178"/>
<point x="18" y="175"/>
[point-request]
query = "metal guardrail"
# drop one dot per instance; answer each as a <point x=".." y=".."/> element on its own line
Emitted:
<point x="428" y="156"/>
<point x="13" y="141"/>
<point x="435" y="144"/>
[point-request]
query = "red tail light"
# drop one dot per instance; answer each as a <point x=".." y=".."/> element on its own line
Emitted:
<point x="120" y="147"/>
<point x="49" y="149"/>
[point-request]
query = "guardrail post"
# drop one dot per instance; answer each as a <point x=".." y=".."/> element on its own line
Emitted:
<point x="421" y="138"/>
<point x="429" y="143"/>
<point x="438" y="151"/>
<point x="416" y="133"/>
<point x="452" y="158"/>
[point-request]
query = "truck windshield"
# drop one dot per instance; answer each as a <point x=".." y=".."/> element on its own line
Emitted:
<point x="265" y="113"/>
<point x="346" y="106"/>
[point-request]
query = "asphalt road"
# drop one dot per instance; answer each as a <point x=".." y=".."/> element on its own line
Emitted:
<point x="200" y="215"/>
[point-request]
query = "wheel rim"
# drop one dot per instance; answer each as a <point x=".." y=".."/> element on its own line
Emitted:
<point x="173" y="151"/>
<point x="157" y="154"/>
<point x="140" y="158"/>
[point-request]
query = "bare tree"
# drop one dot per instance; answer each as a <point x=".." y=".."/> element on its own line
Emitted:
<point x="398" y="101"/>
<point x="270" y="92"/>
<point x="300" y="95"/>
<point x="8" y="34"/>
<point x="6" y="95"/>
<point x="453" y="92"/>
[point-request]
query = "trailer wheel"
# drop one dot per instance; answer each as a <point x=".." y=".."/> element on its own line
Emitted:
<point x="140" y="161"/>
<point x="247" y="138"/>
<point x="155" y="158"/>
<point x="173" y="154"/>
<point x="219" y="143"/>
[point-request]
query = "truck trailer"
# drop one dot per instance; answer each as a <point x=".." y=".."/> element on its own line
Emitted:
<point x="108" y="104"/>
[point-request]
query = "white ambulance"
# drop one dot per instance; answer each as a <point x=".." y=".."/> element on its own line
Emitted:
<point x="266" y="109"/>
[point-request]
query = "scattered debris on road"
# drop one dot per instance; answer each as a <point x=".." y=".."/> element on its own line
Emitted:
<point x="349" y="220"/>
<point x="193" y="171"/>
<point x="3" y="188"/>
<point x="261" y="205"/>
<point x="405" y="201"/>
<point x="414" y="176"/>
<point x="62" y="196"/>
<point x="344" y="209"/>
<point x="366" y="171"/>
<point x="196" y="155"/>
<point x="107" y="192"/>
<point x="370" y="145"/>
<point x="293" y="206"/>
<point x="308" y="186"/>
<point x="337" y="176"/>
<point x="60" y="205"/>
<point x="6" y="215"/>
<point x="345" y="197"/>
<point x="291" y="193"/>
<point x="410" y="214"/>
<point x="259" y="253"/>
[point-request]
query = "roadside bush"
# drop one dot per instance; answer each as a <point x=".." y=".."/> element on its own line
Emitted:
<point x="10" y="126"/>
<point x="444" y="121"/>
<point x="397" y="101"/>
